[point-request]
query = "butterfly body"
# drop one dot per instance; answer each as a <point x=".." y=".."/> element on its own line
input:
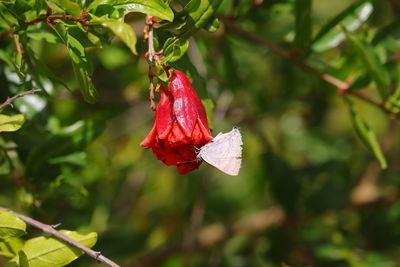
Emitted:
<point x="224" y="152"/>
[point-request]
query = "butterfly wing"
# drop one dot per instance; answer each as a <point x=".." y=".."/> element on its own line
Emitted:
<point x="224" y="152"/>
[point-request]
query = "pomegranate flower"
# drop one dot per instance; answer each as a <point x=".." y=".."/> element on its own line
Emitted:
<point x="180" y="125"/>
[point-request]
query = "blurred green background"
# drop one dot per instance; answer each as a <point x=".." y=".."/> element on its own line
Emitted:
<point x="309" y="193"/>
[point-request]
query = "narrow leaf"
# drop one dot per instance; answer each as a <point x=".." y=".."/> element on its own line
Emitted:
<point x="81" y="66"/>
<point x="11" y="123"/>
<point x="198" y="14"/>
<point x="41" y="251"/>
<point x="174" y="49"/>
<point x="10" y="225"/>
<point x="351" y="18"/>
<point x="365" y="133"/>
<point x="303" y="23"/>
<point x="371" y="62"/>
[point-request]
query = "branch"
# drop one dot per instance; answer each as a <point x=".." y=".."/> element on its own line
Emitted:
<point x="49" y="229"/>
<point x="341" y="85"/>
<point x="50" y="18"/>
<point x="149" y="36"/>
<point x="9" y="101"/>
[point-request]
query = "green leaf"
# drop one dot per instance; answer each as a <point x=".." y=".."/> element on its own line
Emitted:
<point x="41" y="35"/>
<point x="5" y="162"/>
<point x="303" y="26"/>
<point x="123" y="31"/>
<point x="68" y="141"/>
<point x="21" y="6"/>
<point x="371" y="62"/>
<point x="78" y="158"/>
<point x="10" y="225"/>
<point x="23" y="259"/>
<point x="366" y="134"/>
<point x="198" y="14"/>
<point x="69" y="6"/>
<point x="82" y="68"/>
<point x="7" y="19"/>
<point x="351" y="18"/>
<point x="153" y="8"/>
<point x="212" y="26"/>
<point x="209" y="107"/>
<point x="51" y="252"/>
<point x="174" y="48"/>
<point x="389" y="30"/>
<point x="361" y="81"/>
<point x="7" y="57"/>
<point x="11" y="123"/>
<point x="9" y="248"/>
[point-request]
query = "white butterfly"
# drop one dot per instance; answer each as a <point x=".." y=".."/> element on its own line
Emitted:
<point x="224" y="152"/>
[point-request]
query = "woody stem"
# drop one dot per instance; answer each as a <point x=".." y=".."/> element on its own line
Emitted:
<point x="149" y="33"/>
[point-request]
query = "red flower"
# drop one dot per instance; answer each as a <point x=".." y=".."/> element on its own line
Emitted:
<point x="180" y="125"/>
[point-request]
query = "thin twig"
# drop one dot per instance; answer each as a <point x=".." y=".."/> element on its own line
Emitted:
<point x="342" y="85"/>
<point x="48" y="229"/>
<point x="51" y="18"/>
<point x="9" y="101"/>
<point x="149" y="36"/>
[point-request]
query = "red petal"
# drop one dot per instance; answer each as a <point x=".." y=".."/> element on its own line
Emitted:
<point x="184" y="105"/>
<point x="164" y="114"/>
<point x="189" y="160"/>
<point x="177" y="135"/>
<point x="182" y="169"/>
<point x="207" y="137"/>
<point x="150" y="138"/>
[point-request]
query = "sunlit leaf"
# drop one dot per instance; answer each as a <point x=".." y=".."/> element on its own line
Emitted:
<point x="10" y="225"/>
<point x="49" y="251"/>
<point x="11" y="123"/>
<point x="9" y="248"/>
<point x="153" y="8"/>
<point x="351" y="18"/>
<point x="123" y="31"/>
<point x="23" y="259"/>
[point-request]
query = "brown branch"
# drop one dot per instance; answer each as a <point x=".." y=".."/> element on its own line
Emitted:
<point x="341" y="85"/>
<point x="50" y="229"/>
<point x="9" y="101"/>
<point x="149" y="37"/>
<point x="50" y="18"/>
